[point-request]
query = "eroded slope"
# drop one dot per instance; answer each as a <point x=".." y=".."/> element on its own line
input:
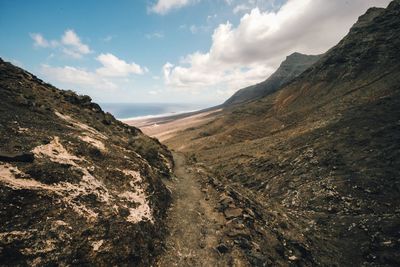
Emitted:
<point x="76" y="186"/>
<point x="317" y="163"/>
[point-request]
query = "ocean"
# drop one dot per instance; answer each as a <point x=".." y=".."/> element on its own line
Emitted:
<point x="125" y="111"/>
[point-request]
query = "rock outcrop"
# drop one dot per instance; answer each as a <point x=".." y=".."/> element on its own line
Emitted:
<point x="77" y="187"/>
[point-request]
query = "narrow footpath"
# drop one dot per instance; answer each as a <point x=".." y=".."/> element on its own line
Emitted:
<point x="196" y="227"/>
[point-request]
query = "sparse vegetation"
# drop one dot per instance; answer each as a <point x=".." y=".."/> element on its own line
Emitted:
<point x="312" y="170"/>
<point x="88" y="195"/>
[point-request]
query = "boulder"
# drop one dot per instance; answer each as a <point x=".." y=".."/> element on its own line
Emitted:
<point x="225" y="202"/>
<point x="222" y="248"/>
<point x="231" y="213"/>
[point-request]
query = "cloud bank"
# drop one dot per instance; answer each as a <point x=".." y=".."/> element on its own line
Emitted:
<point x="248" y="53"/>
<point x="107" y="77"/>
<point x="71" y="76"/>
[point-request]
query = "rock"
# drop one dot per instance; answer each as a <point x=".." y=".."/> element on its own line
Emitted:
<point x="108" y="119"/>
<point x="386" y="243"/>
<point x="293" y="258"/>
<point x="203" y="230"/>
<point x="231" y="213"/>
<point x="250" y="212"/>
<point x="239" y="226"/>
<point x="225" y="202"/>
<point x="17" y="157"/>
<point x="222" y="248"/>
<point x="202" y="244"/>
<point x="235" y="233"/>
<point x="73" y="98"/>
<point x="243" y="243"/>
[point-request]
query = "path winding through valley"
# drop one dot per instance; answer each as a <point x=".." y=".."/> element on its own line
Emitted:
<point x="195" y="225"/>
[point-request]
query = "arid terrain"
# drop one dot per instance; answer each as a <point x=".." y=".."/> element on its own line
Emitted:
<point x="311" y="170"/>
<point x="77" y="187"/>
<point x="299" y="170"/>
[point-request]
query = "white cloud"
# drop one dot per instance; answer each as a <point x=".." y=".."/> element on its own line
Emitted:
<point x="196" y="29"/>
<point x="71" y="76"/>
<point x="108" y="77"/>
<point x="241" y="8"/>
<point x="39" y="40"/>
<point x="162" y="7"/>
<point x="155" y="35"/>
<point x="74" y="45"/>
<point x="70" y="44"/>
<point x="115" y="67"/>
<point x="166" y="69"/>
<point x="108" y="38"/>
<point x="71" y="53"/>
<point x="248" y="53"/>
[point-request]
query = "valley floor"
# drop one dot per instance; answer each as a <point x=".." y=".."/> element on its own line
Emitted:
<point x="299" y="196"/>
<point x="164" y="128"/>
<point x="195" y="224"/>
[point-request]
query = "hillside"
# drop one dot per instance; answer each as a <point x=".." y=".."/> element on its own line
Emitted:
<point x="290" y="68"/>
<point x="167" y="126"/>
<point x="77" y="187"/>
<point x="313" y="167"/>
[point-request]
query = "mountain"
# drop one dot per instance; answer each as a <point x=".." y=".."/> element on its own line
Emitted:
<point x="367" y="55"/>
<point x="314" y="166"/>
<point x="77" y="187"/>
<point x="293" y="66"/>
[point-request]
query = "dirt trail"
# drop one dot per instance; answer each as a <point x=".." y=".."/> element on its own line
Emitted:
<point x="195" y="226"/>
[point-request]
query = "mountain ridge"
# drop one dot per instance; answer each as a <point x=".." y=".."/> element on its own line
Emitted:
<point x="365" y="55"/>
<point x="317" y="160"/>
<point x="291" y="67"/>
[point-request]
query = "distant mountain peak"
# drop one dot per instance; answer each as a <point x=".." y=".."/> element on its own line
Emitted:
<point x="291" y="67"/>
<point x="369" y="16"/>
<point x="296" y="55"/>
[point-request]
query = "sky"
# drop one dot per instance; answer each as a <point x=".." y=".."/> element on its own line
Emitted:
<point x="167" y="51"/>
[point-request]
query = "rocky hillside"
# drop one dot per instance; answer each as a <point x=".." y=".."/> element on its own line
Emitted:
<point x="76" y="185"/>
<point x="313" y="168"/>
<point x="293" y="66"/>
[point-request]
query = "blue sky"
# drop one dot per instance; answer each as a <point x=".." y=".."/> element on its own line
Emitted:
<point x="194" y="51"/>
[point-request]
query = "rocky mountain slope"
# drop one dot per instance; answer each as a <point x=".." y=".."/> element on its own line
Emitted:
<point x="77" y="187"/>
<point x="293" y="66"/>
<point x="312" y="170"/>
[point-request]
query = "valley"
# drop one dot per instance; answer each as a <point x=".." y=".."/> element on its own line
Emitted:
<point x="301" y="169"/>
<point x="317" y="160"/>
<point x="196" y="227"/>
